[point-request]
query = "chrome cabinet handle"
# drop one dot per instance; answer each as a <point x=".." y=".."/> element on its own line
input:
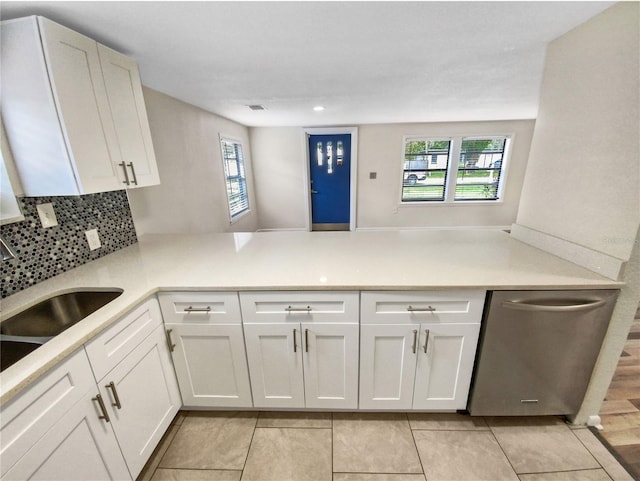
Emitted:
<point x="426" y="341"/>
<point x="197" y="309"/>
<point x="421" y="309"/>
<point x="525" y="306"/>
<point x="295" y="345"/>
<point x="298" y="309"/>
<point x="126" y="174"/>
<point x="306" y="340"/>
<point x="172" y="346"/>
<point x="105" y="415"/>
<point x="112" y="386"/>
<point x="415" y="340"/>
<point x="133" y="172"/>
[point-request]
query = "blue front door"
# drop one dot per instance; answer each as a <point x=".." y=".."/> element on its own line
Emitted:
<point x="330" y="157"/>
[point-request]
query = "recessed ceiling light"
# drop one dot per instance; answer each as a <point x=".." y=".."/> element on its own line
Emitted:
<point x="318" y="108"/>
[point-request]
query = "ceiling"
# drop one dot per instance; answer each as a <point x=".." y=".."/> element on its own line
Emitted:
<point x="365" y="62"/>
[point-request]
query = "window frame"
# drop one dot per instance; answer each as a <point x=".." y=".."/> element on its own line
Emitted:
<point x="234" y="217"/>
<point x="452" y="171"/>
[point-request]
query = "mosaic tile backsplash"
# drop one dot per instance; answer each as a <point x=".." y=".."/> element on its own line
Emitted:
<point x="43" y="253"/>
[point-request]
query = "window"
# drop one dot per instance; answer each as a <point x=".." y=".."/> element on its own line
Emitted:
<point x="235" y="177"/>
<point x="425" y="170"/>
<point x="456" y="169"/>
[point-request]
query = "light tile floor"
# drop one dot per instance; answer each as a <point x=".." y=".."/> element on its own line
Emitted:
<point x="252" y="446"/>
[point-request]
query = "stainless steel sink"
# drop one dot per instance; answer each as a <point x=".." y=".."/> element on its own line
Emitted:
<point x="47" y="319"/>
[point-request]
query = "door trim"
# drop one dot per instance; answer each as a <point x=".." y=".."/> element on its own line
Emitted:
<point x="353" y="131"/>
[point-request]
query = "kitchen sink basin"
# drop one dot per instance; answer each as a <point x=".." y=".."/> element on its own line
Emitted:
<point x="45" y="320"/>
<point x="12" y="351"/>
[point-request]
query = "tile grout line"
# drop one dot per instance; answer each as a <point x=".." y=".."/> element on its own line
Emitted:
<point x="502" y="448"/>
<point x="424" y="474"/>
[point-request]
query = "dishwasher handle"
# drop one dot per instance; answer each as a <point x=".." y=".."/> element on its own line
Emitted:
<point x="579" y="306"/>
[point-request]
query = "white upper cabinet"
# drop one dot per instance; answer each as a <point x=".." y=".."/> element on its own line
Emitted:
<point x="124" y="90"/>
<point x="64" y="128"/>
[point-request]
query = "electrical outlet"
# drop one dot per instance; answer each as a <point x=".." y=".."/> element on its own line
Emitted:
<point x="93" y="239"/>
<point x="47" y="215"/>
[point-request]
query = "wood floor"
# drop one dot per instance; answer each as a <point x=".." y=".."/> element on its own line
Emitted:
<point x="620" y="411"/>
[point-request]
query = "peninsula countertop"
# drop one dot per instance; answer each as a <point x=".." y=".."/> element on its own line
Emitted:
<point x="291" y="260"/>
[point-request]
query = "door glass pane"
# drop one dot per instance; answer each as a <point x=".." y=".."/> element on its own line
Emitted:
<point x="330" y="157"/>
<point x="319" y="153"/>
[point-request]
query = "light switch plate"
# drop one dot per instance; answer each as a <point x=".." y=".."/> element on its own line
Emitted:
<point x="47" y="215"/>
<point x="93" y="239"/>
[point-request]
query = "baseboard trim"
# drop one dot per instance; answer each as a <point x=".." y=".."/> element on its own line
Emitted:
<point x="439" y="228"/>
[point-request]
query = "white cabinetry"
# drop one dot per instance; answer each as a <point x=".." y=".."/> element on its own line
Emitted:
<point x="135" y="376"/>
<point x="417" y="348"/>
<point x="205" y="332"/>
<point x="52" y="431"/>
<point x="69" y="133"/>
<point x="138" y="166"/>
<point x="302" y="348"/>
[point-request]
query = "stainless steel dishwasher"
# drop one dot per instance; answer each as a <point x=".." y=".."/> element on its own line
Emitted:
<point x="537" y="351"/>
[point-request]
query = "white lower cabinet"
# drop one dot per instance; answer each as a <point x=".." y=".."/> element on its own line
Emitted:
<point x="399" y="372"/>
<point x="140" y="394"/>
<point x="210" y="364"/>
<point x="303" y="365"/>
<point x="52" y="431"/>
<point x="275" y="365"/>
<point x="409" y="363"/>
<point x="204" y="330"/>
<point x="79" y="447"/>
<point x="302" y="348"/>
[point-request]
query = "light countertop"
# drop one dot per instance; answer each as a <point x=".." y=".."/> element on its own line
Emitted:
<point x="384" y="260"/>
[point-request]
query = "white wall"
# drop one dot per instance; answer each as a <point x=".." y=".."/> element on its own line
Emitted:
<point x="582" y="186"/>
<point x="279" y="158"/>
<point x="191" y="196"/>
<point x="279" y="167"/>
<point x="586" y="147"/>
<point x="380" y="150"/>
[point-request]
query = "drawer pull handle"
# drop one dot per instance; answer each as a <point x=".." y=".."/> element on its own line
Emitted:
<point x="295" y="345"/>
<point x="426" y="341"/>
<point x="170" y="343"/>
<point x="112" y="386"/>
<point x="421" y="309"/>
<point x="197" y="309"/>
<point x="103" y="408"/>
<point x="133" y="172"/>
<point x="298" y="309"/>
<point x="415" y="340"/>
<point x="126" y="174"/>
<point x="528" y="401"/>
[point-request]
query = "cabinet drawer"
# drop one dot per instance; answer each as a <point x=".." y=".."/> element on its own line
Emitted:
<point x="299" y="306"/>
<point x="200" y="307"/>
<point x="25" y="419"/>
<point x="113" y="345"/>
<point x="383" y="307"/>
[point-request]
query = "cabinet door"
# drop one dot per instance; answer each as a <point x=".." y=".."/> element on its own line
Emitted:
<point x="211" y="364"/>
<point x="124" y="90"/>
<point x="387" y="365"/>
<point x="78" y="447"/>
<point x="445" y="364"/>
<point x="331" y="365"/>
<point x="144" y="384"/>
<point x="83" y="108"/>
<point x="274" y="352"/>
